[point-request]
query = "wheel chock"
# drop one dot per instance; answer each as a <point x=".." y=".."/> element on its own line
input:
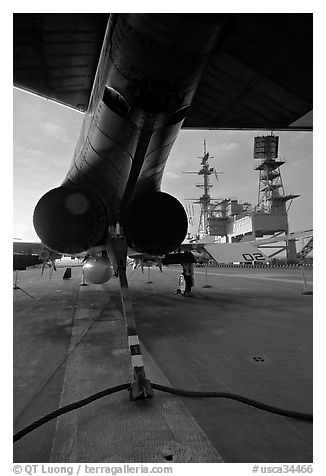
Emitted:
<point x="67" y="274"/>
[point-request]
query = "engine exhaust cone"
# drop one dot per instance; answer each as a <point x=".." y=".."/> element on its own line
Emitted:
<point x="156" y="224"/>
<point x="70" y="220"/>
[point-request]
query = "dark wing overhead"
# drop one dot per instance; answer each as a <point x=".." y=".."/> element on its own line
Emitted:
<point x="56" y="55"/>
<point x="259" y="75"/>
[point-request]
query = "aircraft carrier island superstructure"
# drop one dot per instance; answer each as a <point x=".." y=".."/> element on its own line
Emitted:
<point x="231" y="221"/>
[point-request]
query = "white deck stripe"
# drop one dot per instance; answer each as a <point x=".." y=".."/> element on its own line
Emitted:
<point x="133" y="340"/>
<point x="271" y="278"/>
<point x="137" y="361"/>
<point x="250" y="276"/>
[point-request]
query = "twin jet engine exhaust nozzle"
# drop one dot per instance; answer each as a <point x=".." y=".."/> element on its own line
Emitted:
<point x="71" y="220"/>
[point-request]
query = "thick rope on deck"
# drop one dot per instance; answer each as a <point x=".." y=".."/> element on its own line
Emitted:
<point x="68" y="408"/>
<point x="184" y="393"/>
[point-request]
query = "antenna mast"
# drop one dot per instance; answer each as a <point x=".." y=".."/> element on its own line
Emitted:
<point x="205" y="200"/>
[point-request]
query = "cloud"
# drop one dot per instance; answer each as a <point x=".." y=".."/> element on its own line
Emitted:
<point x="172" y="175"/>
<point x="54" y="130"/>
<point x="226" y="148"/>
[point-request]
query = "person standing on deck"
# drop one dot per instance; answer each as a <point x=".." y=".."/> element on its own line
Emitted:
<point x="188" y="273"/>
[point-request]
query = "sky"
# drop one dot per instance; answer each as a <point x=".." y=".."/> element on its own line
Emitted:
<point x="45" y="135"/>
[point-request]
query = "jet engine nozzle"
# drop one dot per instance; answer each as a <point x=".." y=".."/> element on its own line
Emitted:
<point x="98" y="270"/>
<point x="156" y="224"/>
<point x="70" y="219"/>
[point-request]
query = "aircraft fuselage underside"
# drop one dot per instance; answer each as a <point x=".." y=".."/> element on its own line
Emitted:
<point x="149" y="68"/>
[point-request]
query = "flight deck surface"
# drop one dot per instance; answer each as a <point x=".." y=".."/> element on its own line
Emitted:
<point x="250" y="333"/>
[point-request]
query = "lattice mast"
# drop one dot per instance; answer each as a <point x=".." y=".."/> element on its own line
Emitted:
<point x="205" y="200"/>
<point x="271" y="195"/>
